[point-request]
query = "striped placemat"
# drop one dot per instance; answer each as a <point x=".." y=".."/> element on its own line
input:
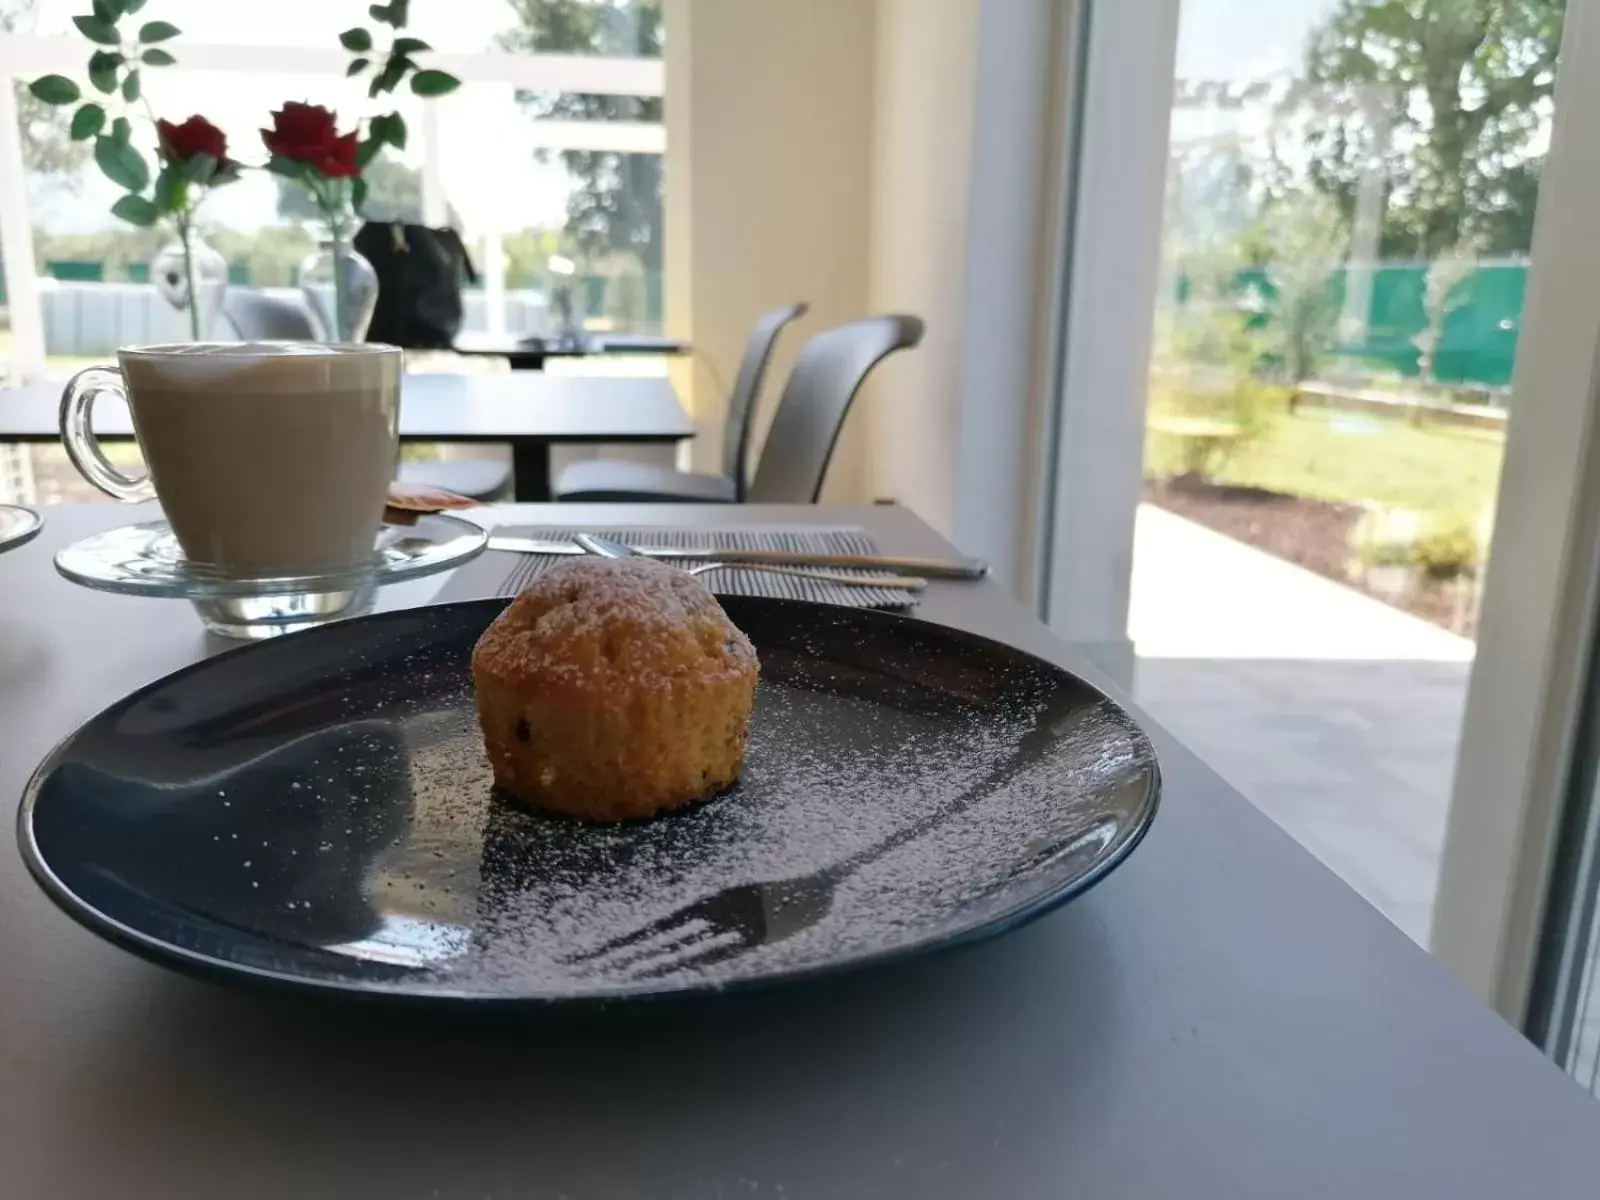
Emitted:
<point x="496" y="573"/>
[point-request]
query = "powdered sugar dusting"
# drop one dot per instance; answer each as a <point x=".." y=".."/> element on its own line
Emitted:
<point x="901" y="786"/>
<point x="623" y="624"/>
<point x="914" y="819"/>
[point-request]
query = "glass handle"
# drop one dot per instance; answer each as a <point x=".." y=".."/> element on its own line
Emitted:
<point x="77" y="403"/>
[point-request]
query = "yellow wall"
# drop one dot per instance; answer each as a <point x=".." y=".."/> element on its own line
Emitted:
<point x="769" y="128"/>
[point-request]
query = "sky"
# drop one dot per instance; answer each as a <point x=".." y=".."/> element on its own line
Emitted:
<point x="1245" y="39"/>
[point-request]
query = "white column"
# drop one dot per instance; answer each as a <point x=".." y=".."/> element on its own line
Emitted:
<point x="1541" y="595"/>
<point x="494" y="282"/>
<point x="1362" y="262"/>
<point x="435" y="210"/>
<point x="16" y="242"/>
<point x="1009" y="274"/>
<point x="1116" y="223"/>
<point x="962" y="166"/>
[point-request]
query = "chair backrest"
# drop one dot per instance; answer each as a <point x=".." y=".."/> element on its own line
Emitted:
<point x="815" y="402"/>
<point x="746" y="388"/>
<point x="258" y="317"/>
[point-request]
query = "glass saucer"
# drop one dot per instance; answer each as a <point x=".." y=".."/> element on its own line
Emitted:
<point x="17" y="525"/>
<point x="146" y="560"/>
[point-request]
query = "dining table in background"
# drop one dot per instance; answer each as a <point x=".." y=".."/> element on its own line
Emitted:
<point x="531" y="353"/>
<point x="1221" y="1019"/>
<point x="529" y="411"/>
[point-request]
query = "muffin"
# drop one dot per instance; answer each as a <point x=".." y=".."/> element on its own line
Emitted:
<point x="613" y="689"/>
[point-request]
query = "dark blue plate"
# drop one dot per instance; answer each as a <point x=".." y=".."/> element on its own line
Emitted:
<point x="316" y="812"/>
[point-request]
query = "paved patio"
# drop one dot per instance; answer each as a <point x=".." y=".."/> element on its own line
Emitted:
<point x="1337" y="715"/>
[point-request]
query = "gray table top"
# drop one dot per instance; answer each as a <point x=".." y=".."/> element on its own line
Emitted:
<point x="1221" y="1018"/>
<point x="445" y="408"/>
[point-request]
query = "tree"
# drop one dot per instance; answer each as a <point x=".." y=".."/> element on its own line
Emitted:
<point x="47" y="145"/>
<point x="616" y="202"/>
<point x="1447" y="100"/>
<point x="1301" y="240"/>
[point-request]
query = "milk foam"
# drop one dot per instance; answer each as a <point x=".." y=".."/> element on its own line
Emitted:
<point x="262" y="366"/>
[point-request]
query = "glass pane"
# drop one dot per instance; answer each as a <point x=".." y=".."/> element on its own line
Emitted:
<point x="623" y="28"/>
<point x="597" y="211"/>
<point x="1349" y="213"/>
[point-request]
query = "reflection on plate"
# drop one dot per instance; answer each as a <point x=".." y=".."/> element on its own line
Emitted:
<point x="317" y="812"/>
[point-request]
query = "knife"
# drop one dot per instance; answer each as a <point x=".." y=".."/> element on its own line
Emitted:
<point x="936" y="568"/>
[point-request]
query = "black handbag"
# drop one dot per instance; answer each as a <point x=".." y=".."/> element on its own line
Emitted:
<point x="421" y="272"/>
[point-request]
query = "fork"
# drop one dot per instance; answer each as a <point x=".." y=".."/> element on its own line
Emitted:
<point x="735" y="919"/>
<point x="606" y="548"/>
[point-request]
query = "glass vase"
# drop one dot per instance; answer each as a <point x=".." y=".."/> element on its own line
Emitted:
<point x="342" y="289"/>
<point x="170" y="275"/>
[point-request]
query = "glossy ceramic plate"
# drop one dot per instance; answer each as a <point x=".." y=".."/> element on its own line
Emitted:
<point x="316" y="812"/>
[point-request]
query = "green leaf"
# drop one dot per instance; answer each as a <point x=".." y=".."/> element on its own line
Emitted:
<point x="97" y="30"/>
<point x="356" y="39"/>
<point x="107" y="10"/>
<point x="357" y="65"/>
<point x="136" y="210"/>
<point x="157" y="31"/>
<point x="104" y="66"/>
<point x="367" y="151"/>
<point x="287" y="167"/>
<point x="122" y="130"/>
<point x="172" y="188"/>
<point x="434" y="83"/>
<point x="132" y="6"/>
<point x="379" y="12"/>
<point x="393" y="72"/>
<point x="55" y="89"/>
<point x="358" y="193"/>
<point x="130" y="86"/>
<point x="394" y="131"/>
<point x="409" y="45"/>
<point x="157" y="58"/>
<point x="121" y="163"/>
<point x="200" y="168"/>
<point x="87" y="121"/>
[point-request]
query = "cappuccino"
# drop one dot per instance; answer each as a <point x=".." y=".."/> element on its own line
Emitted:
<point x="267" y="457"/>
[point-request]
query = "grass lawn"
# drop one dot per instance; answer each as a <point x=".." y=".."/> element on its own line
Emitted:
<point x="1449" y="472"/>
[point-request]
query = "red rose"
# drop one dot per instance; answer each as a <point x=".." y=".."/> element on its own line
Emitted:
<point x="180" y="143"/>
<point x="307" y="134"/>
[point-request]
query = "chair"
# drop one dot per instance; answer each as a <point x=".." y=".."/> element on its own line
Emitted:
<point x="830" y="371"/>
<point x="256" y="316"/>
<point x="598" y="480"/>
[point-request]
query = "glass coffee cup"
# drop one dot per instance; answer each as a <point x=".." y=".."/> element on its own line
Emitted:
<point x="268" y="458"/>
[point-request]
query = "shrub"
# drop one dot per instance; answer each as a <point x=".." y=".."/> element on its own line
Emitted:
<point x="1451" y="552"/>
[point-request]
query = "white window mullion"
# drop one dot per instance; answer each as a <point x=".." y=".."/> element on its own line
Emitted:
<point x="27" y="54"/>
<point x="1518" y="736"/>
<point x="16" y="244"/>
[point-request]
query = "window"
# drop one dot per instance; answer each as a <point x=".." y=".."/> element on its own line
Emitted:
<point x="552" y="148"/>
